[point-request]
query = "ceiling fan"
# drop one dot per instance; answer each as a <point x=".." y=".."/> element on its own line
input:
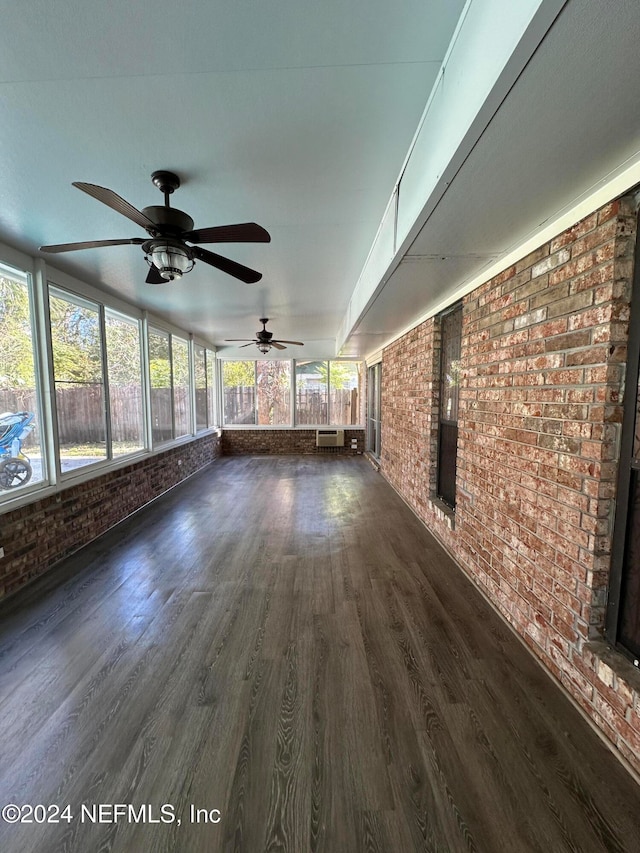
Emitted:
<point x="265" y="340"/>
<point x="167" y="251"/>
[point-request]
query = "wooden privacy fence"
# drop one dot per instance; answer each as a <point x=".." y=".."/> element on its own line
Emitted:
<point x="239" y="405"/>
<point x="81" y="418"/>
<point x="311" y="406"/>
<point x="81" y="410"/>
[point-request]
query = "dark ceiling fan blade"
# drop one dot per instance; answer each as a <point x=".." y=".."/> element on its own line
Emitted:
<point x="277" y="345"/>
<point x="233" y="268"/>
<point x="246" y="232"/>
<point x="297" y="343"/>
<point x="248" y="345"/>
<point x="154" y="277"/>
<point x="237" y="340"/>
<point x="91" y="244"/>
<point x="117" y="203"/>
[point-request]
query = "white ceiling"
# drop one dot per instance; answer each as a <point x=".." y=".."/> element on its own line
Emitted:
<point x="297" y="115"/>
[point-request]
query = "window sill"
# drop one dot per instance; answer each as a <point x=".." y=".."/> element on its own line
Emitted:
<point x="38" y="491"/>
<point x="372" y="459"/>
<point x="611" y="663"/>
<point x="443" y="511"/>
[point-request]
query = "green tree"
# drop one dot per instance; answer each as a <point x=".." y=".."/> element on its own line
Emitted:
<point x="343" y="374"/>
<point x="159" y="364"/>
<point x="160" y="371"/>
<point x="75" y="334"/>
<point x="16" y="347"/>
<point x="123" y="351"/>
<point x="238" y="374"/>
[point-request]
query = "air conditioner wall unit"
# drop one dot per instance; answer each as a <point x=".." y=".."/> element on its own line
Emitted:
<point x="329" y="438"/>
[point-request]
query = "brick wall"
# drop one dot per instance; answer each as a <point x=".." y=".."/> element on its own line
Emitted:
<point x="39" y="534"/>
<point x="543" y="357"/>
<point x="284" y="442"/>
<point x="410" y="399"/>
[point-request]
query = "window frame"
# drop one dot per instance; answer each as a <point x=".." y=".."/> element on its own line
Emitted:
<point x="196" y="422"/>
<point x="81" y="301"/>
<point x="40" y="277"/>
<point x="361" y="392"/>
<point x="443" y="494"/>
<point x="295" y="414"/>
<point x="17" y="267"/>
<point x="374" y="409"/>
<point x="190" y="387"/>
<point x="213" y="417"/>
<point x="153" y="329"/>
<point x="627" y="466"/>
<point x="293" y="421"/>
<point x="109" y="312"/>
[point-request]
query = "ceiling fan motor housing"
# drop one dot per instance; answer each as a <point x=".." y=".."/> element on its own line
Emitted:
<point x="263" y="335"/>
<point x="168" y="219"/>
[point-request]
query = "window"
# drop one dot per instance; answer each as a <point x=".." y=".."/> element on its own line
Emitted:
<point x="161" y="386"/>
<point x="451" y="329"/>
<point x="94" y="366"/>
<point x="257" y="392"/>
<point x="328" y="392"/>
<point x="78" y="379"/>
<point x="21" y="457"/>
<point x="211" y="388"/>
<point x="373" y="419"/>
<point x="204" y="372"/>
<point x="181" y="386"/>
<point x="200" y="373"/>
<point x="312" y="404"/>
<point x="345" y="392"/>
<point x="239" y="392"/>
<point x="124" y="372"/>
<point x="273" y="384"/>
<point x="260" y="393"/>
<point x="623" y="604"/>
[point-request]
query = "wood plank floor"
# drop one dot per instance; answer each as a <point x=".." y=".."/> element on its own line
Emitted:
<point x="281" y="645"/>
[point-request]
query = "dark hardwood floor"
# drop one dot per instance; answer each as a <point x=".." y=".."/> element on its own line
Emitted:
<point x="281" y="645"/>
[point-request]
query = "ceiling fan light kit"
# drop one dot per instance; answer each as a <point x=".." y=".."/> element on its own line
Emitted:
<point x="170" y="259"/>
<point x="167" y="252"/>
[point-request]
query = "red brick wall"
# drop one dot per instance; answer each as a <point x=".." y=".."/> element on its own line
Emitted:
<point x="410" y="398"/>
<point x="543" y="357"/>
<point x="39" y="534"/>
<point x="284" y="441"/>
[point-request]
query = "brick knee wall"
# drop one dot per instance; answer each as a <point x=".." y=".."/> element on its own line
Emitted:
<point x="40" y="534"/>
<point x="543" y="363"/>
<point x="280" y="442"/>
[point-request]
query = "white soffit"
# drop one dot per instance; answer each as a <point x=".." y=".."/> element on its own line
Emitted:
<point x="569" y="130"/>
<point x="492" y="44"/>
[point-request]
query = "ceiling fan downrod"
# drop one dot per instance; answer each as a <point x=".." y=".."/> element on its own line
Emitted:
<point x="167" y="182"/>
